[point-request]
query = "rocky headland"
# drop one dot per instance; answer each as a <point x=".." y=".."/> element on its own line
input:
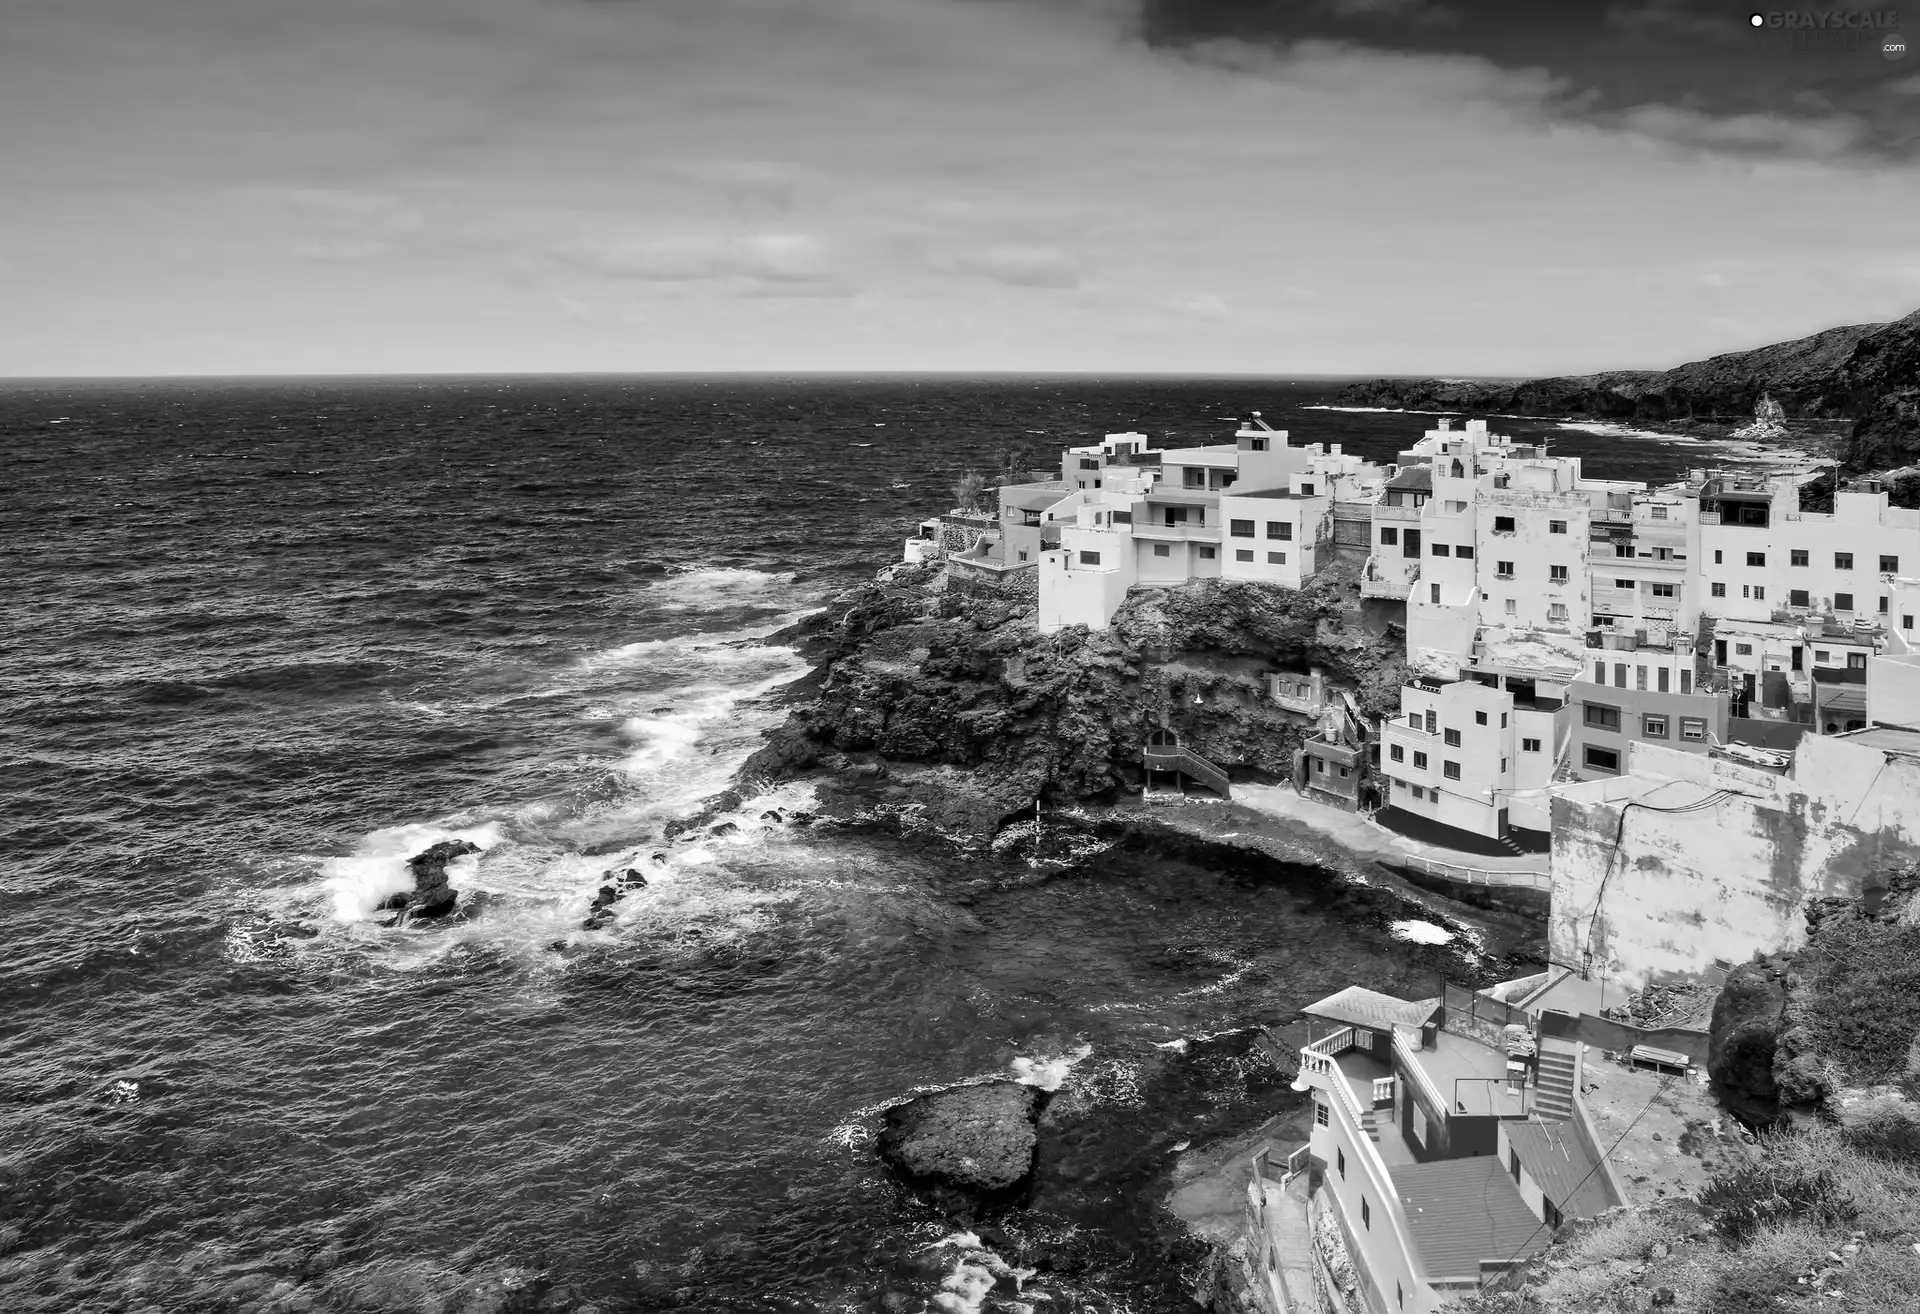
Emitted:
<point x="957" y="709"/>
<point x="1856" y="388"/>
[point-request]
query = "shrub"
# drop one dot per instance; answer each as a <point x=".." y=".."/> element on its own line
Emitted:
<point x="1863" y="1005"/>
<point x="1794" y="1179"/>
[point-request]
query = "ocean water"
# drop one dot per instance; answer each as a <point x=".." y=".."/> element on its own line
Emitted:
<point x="266" y="639"/>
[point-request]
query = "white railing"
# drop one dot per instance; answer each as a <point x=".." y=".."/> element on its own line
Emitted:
<point x="1318" y="1058"/>
<point x="1526" y="879"/>
<point x="1382" y="1090"/>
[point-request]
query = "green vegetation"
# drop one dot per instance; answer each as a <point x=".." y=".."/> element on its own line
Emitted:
<point x="1861" y="1004"/>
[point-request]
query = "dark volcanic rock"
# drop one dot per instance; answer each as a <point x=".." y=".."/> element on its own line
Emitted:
<point x="1742" y="1041"/>
<point x="1869" y="373"/>
<point x="617" y="888"/>
<point x="431" y="895"/>
<point x="979" y="1139"/>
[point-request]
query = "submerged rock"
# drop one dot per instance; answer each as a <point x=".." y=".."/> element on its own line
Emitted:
<point x="979" y="1140"/>
<point x="432" y="894"/>
<point x="618" y="886"/>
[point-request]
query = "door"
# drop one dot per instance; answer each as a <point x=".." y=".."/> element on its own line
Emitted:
<point x="1410" y="543"/>
<point x="1797" y="651"/>
<point x="1719" y="652"/>
<point x="1503" y="823"/>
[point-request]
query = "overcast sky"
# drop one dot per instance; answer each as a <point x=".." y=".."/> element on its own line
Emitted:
<point x="1265" y="186"/>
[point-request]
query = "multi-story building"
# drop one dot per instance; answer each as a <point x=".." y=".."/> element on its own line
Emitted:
<point x="1631" y="692"/>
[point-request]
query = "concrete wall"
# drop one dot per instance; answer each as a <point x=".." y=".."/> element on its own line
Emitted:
<point x="1681" y="889"/>
<point x="1071" y="593"/>
<point x="1384" y="1247"/>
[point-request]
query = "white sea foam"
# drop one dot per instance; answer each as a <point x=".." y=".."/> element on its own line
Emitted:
<point x="377" y="868"/>
<point x="1048" y="1072"/>
<point x="1420" y="932"/>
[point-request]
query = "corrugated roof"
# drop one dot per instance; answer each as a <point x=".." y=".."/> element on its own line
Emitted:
<point x="1414" y="476"/>
<point x="1566" y="1171"/>
<point x="1466" y="1211"/>
<point x="1359" y="1006"/>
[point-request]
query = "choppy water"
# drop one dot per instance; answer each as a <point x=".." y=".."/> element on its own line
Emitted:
<point x="267" y="639"/>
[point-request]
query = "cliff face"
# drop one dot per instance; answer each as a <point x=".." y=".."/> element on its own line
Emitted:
<point x="959" y="704"/>
<point x="1868" y="373"/>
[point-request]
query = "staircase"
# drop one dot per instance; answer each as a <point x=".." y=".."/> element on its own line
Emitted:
<point x="1370" y="1125"/>
<point x="1553" y="1089"/>
<point x="1188" y="764"/>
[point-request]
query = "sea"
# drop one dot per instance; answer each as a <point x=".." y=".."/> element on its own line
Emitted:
<point x="266" y="639"/>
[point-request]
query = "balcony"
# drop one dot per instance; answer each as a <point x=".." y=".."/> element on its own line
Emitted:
<point x="1378" y="583"/>
<point x="1180" y="533"/>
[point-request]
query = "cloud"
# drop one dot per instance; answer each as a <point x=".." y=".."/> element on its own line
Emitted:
<point x="1827" y="138"/>
<point x="348" y="208"/>
<point x="761" y="257"/>
<point x="1905" y="86"/>
<point x="1019" y="266"/>
<point x="1399" y="11"/>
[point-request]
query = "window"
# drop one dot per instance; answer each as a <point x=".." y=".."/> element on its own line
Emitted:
<point x="1319" y="1114"/>
<point x="1906" y="621"/>
<point x="1390" y="537"/>
<point x="1453" y="738"/>
<point x="1513" y="1158"/>
<point x="1601" y="759"/>
<point x="1243" y="554"/>
<point x="1206" y="554"/>
<point x="1283" y="531"/>
<point x="1602" y="717"/>
<point x="1306" y="490"/>
<point x="1657" y="512"/>
<point x="1089" y="558"/>
<point x="1192" y="478"/>
<point x="1883" y="604"/>
<point x="1557" y="574"/>
<point x="1276" y="558"/>
<point x="1451" y="770"/>
<point x="1843" y="602"/>
<point x="1162" y="550"/>
<point x="1759" y="592"/>
<point x="1397" y="752"/>
<point x="1089" y="463"/>
<point x="1797" y="598"/>
<point x="1889" y="565"/>
<point x="1340" y="1160"/>
<point x="1640" y="677"/>
<point x="1556" y="526"/>
<point x="1797" y="557"/>
<point x="1420" y="792"/>
<point x="1419" y="761"/>
<point x="1719" y="590"/>
<point x="1551" y="1214"/>
<point x="1123" y="517"/>
<point x="1820" y="654"/>
<point x="1599" y="672"/>
<point x="1480" y="718"/>
<point x="1512" y="607"/>
<point x="1716" y="556"/>
<point x="1619" y="675"/>
<point x="1433" y="721"/>
<point x="1653" y="727"/>
<point x="1856" y="661"/>
<point x="1241" y="529"/>
<point x="1433" y="594"/>
<point x="1366" y="1214"/>
<point x="1529" y="745"/>
<point x="1743" y="650"/>
<point x="1623" y="583"/>
<point x="1756" y="558"/>
<point x="1503" y="720"/>
<point x="1320" y="765"/>
<point x="1503" y="524"/>
<point x="1686" y="681"/>
<point x="1503" y="570"/>
<point x="1557" y="612"/>
<point x="1665" y="677"/>
<point x="1660" y="590"/>
<point x="1439" y="549"/>
<point x="1623" y="549"/>
<point x="1843" y="561"/>
<point x="1693" y="728"/>
<point x="1464" y="552"/>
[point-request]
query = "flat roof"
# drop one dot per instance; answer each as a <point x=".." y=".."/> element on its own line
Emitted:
<point x="1359" y="1006"/>
<point x="1561" y="1164"/>
<point x="1884" y="736"/>
<point x="1464" y="1212"/>
<point x="1471" y="1077"/>
<point x="1279" y="494"/>
<point x="1227" y="454"/>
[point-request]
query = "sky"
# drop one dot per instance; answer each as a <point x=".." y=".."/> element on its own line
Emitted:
<point x="1515" y="187"/>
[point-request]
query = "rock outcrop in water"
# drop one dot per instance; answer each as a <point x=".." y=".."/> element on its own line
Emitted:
<point x="977" y="1140"/>
<point x="958" y="708"/>
<point x="1866" y="373"/>
<point x="619" y="885"/>
<point x="432" y="894"/>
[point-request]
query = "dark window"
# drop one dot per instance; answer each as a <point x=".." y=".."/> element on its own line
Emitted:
<point x="1503" y="720"/>
<point x="1089" y="463"/>
<point x="1206" y="554"/>
<point x="1283" y="530"/>
<point x="1619" y="675"/>
<point x="1503" y="524"/>
<point x="1366" y="1214"/>
<point x="1241" y="529"/>
<point x="1889" y="565"/>
<point x="1601" y="759"/>
<point x="1276" y="558"/>
<point x="1123" y="517"/>
<point x="1433" y="721"/>
<point x="1243" y="554"/>
<point x="1719" y="590"/>
<point x="1623" y="583"/>
<point x="1552" y="1214"/>
<point x="1162" y="550"/>
<point x="1665" y="677"/>
<point x="1464" y="552"/>
<point x="1451" y="770"/>
<point x="1513" y="1160"/>
<point x="1503" y="569"/>
<point x="1693" y="727"/>
<point x="1797" y="557"/>
<point x="1193" y="478"/>
<point x="1653" y="727"/>
<point x="1439" y="549"/>
<point x="1529" y="745"/>
<point x="1089" y="558"/>
<point x="1420" y="761"/>
<point x="1397" y="752"/>
<point x="1453" y="738"/>
<point x="1602" y="717"/>
<point x="1843" y="602"/>
<point x="1756" y="558"/>
<point x="1796" y="597"/>
<point x="1390" y="537"/>
<point x="1883" y="604"/>
<point x="1843" y="561"/>
<point x="1340" y="1160"/>
<point x="1558" y="574"/>
<point x="1856" y="661"/>
<point x="1556" y="526"/>
<point x="1906" y="621"/>
<point x="1319" y="1114"/>
<point x="1306" y="490"/>
<point x="1480" y="718"/>
<point x="1716" y="556"/>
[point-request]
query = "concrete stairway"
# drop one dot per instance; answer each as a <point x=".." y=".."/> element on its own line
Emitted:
<point x="1189" y="764"/>
<point x="1369" y="1125"/>
<point x="1553" y="1094"/>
